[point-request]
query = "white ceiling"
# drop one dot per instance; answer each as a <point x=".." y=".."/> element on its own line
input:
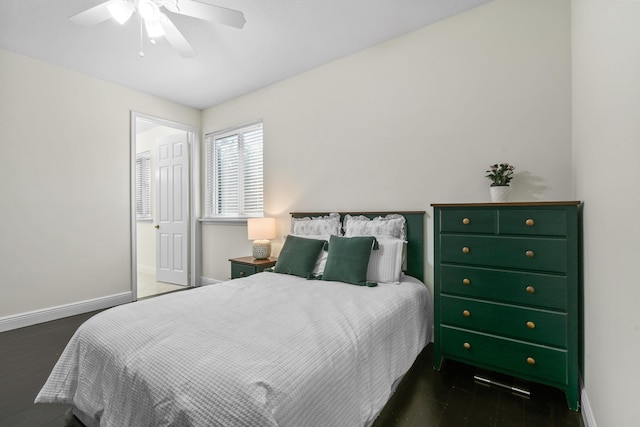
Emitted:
<point x="281" y="38"/>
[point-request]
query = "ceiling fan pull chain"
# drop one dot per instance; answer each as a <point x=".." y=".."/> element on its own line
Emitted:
<point x="141" y="53"/>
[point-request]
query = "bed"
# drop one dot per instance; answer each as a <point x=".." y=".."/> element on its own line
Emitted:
<point x="271" y="349"/>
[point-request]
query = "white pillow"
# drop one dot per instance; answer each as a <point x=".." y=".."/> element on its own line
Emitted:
<point x="385" y="264"/>
<point x="391" y="226"/>
<point x="322" y="257"/>
<point x="316" y="226"/>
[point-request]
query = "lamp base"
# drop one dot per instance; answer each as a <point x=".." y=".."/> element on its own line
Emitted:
<point x="261" y="249"/>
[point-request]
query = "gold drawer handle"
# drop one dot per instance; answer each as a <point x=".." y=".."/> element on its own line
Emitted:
<point x="241" y="273"/>
<point x="467" y="345"/>
<point x="530" y="289"/>
<point x="466" y="221"/>
<point x="466" y="313"/>
<point x="530" y="222"/>
<point x="529" y="254"/>
<point x="531" y="361"/>
<point x="465" y="250"/>
<point x="531" y="325"/>
<point x="466" y="281"/>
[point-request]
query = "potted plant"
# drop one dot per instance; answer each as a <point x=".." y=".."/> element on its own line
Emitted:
<point x="500" y="176"/>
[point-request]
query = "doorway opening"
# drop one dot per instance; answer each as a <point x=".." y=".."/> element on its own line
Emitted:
<point x="163" y="231"/>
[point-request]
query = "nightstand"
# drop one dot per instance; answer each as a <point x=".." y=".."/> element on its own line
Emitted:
<point x="248" y="265"/>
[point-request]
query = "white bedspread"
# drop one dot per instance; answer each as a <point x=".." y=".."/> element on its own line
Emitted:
<point x="266" y="350"/>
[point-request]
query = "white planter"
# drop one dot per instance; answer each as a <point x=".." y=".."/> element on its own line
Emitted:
<point x="499" y="193"/>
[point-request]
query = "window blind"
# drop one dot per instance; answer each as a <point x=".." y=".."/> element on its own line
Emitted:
<point x="143" y="186"/>
<point x="234" y="172"/>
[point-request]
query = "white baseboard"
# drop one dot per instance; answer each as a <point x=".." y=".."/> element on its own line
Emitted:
<point x="208" y="281"/>
<point x="146" y="269"/>
<point x="53" y="313"/>
<point x="587" y="415"/>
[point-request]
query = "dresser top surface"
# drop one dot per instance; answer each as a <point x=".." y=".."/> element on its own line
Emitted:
<point x="465" y="205"/>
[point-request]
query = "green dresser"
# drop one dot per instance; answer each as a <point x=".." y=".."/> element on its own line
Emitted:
<point x="507" y="290"/>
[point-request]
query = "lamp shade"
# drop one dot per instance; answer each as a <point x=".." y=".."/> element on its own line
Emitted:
<point x="261" y="228"/>
<point x="154" y="29"/>
<point x="121" y="10"/>
<point x="148" y="10"/>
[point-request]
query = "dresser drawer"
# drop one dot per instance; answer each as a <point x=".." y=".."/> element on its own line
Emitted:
<point x="505" y="355"/>
<point x="541" y="254"/>
<point x="468" y="221"/>
<point x="531" y="289"/>
<point x="531" y="325"/>
<point x="533" y="222"/>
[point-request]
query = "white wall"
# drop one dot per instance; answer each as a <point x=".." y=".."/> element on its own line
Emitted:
<point x="65" y="184"/>
<point x="606" y="135"/>
<point x="415" y="121"/>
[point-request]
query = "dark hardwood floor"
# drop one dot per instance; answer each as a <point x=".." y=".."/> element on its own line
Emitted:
<point x="425" y="398"/>
<point x="452" y="398"/>
<point x="27" y="356"/>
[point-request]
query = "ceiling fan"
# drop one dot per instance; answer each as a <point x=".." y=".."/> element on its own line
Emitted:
<point x="156" y="22"/>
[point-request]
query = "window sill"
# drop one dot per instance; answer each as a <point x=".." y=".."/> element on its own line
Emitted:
<point x="228" y="221"/>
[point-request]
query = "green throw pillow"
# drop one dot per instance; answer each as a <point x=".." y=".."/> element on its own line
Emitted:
<point x="348" y="260"/>
<point x="298" y="256"/>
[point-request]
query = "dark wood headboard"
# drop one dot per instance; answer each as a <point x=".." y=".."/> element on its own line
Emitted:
<point x="415" y="235"/>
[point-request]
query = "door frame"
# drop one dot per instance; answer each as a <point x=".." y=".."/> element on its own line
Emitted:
<point x="194" y="197"/>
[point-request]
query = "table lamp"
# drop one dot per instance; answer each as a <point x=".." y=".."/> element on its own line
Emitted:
<point x="260" y="230"/>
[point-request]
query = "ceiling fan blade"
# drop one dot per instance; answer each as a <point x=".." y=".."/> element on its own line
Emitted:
<point x="207" y="12"/>
<point x="176" y="39"/>
<point x="92" y="16"/>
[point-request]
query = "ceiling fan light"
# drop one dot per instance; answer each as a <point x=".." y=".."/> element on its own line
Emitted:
<point x="148" y="10"/>
<point x="121" y="10"/>
<point x="154" y="29"/>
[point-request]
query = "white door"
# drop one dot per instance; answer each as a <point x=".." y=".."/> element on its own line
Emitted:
<point x="172" y="234"/>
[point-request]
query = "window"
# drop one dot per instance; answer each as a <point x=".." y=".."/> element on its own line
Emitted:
<point x="233" y="187"/>
<point x="143" y="186"/>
